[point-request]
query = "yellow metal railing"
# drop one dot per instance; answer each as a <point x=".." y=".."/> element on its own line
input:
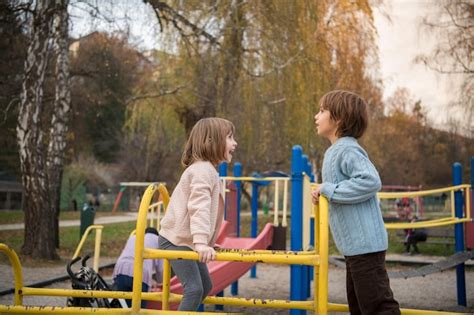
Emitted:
<point x="154" y="214"/>
<point x="411" y="194"/>
<point x="452" y="219"/>
<point x="98" y="240"/>
<point x="317" y="258"/>
<point x="262" y="256"/>
<point x="17" y="272"/>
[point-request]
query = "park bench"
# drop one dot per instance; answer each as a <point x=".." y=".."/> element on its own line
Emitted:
<point x="443" y="235"/>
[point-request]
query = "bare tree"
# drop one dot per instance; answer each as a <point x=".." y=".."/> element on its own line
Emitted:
<point x="453" y="23"/>
<point x="41" y="132"/>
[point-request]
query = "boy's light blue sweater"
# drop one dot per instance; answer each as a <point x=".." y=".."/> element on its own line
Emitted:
<point x="351" y="182"/>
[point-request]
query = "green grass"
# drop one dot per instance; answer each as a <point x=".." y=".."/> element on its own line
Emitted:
<point x="114" y="237"/>
<point x="395" y="246"/>
<point x="11" y="216"/>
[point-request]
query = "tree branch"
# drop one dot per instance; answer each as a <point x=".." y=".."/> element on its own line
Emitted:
<point x="162" y="9"/>
<point x="154" y="95"/>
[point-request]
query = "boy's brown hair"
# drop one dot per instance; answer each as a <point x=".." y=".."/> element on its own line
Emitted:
<point x="349" y="110"/>
<point x="207" y="141"/>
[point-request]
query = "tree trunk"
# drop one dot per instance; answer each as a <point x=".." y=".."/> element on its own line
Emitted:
<point x="59" y="121"/>
<point x="40" y="150"/>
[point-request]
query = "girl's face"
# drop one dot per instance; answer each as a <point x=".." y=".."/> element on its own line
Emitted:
<point x="230" y="146"/>
<point x="325" y="125"/>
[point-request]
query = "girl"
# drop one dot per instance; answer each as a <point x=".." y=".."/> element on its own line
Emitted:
<point x="196" y="208"/>
<point x="350" y="183"/>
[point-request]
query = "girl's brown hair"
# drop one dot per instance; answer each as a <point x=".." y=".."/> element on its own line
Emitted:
<point x="207" y="141"/>
<point x="348" y="110"/>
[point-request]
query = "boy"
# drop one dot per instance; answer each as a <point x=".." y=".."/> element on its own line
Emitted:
<point x="350" y="183"/>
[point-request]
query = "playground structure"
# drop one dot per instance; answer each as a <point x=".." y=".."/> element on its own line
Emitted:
<point x="300" y="260"/>
<point x="131" y="186"/>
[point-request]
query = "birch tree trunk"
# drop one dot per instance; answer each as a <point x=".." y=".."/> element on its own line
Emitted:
<point x="59" y="121"/>
<point x="41" y="150"/>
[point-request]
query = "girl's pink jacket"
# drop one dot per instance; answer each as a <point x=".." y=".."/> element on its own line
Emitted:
<point x="196" y="209"/>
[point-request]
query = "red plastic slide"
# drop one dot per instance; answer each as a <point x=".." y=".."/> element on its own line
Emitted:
<point x="224" y="273"/>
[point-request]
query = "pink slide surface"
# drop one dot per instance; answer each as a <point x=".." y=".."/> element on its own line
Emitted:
<point x="224" y="273"/>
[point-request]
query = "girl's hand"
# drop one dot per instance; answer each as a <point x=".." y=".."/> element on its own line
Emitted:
<point x="315" y="195"/>
<point x="206" y="253"/>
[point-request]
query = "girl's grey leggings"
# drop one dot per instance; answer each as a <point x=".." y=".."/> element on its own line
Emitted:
<point x="194" y="277"/>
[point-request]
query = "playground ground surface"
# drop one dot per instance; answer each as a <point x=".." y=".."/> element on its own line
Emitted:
<point x="435" y="292"/>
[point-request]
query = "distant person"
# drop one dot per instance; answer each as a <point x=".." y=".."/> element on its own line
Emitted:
<point x="137" y="202"/>
<point x="97" y="202"/>
<point x="123" y="270"/>
<point x="350" y="183"/>
<point x="413" y="236"/>
<point x="196" y="208"/>
<point x="446" y="201"/>
<point x="404" y="209"/>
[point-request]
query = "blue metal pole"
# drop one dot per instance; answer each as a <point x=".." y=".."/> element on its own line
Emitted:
<point x="296" y="271"/>
<point x="253" y="271"/>
<point x="459" y="235"/>
<point x="219" y="307"/>
<point x="237" y="173"/>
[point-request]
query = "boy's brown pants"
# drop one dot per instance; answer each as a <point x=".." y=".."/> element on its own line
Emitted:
<point x="368" y="286"/>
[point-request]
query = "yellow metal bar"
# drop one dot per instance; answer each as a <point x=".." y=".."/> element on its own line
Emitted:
<point x="240" y="257"/>
<point x="285" y="203"/>
<point x="98" y="240"/>
<point x="152" y="209"/>
<point x="17" y="272"/>
<point x="166" y="284"/>
<point x="270" y="303"/>
<point x="264" y="303"/>
<point x="316" y="269"/>
<point x="453" y="207"/>
<point x="275" y="205"/>
<point x="139" y="243"/>
<point x="334" y="307"/>
<point x="467" y="194"/>
<point x="158" y="219"/>
<point x="165" y="196"/>
<point x="149" y="296"/>
<point x="255" y="179"/>
<point x="8" y="309"/>
<point x="424" y="224"/>
<point x="439" y="220"/>
<point x="395" y="195"/>
<point x="264" y="251"/>
<point x="324" y="255"/>
<point x="84" y="237"/>
<point x="307" y="209"/>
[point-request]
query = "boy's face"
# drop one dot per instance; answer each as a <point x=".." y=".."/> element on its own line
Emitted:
<point x="325" y="125"/>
